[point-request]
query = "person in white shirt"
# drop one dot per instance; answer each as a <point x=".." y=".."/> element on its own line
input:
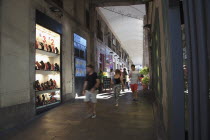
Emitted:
<point x="111" y="74"/>
<point x="134" y="79"/>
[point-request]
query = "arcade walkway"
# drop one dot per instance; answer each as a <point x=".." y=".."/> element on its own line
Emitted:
<point x="129" y="121"/>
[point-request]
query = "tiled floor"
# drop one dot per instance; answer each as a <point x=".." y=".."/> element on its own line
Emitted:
<point x="129" y="121"/>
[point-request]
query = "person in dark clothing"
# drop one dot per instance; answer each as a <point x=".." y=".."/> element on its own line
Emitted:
<point x="117" y="81"/>
<point x="124" y="75"/>
<point x="90" y="90"/>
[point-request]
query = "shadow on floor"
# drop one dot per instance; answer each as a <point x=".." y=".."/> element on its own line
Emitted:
<point x="130" y="121"/>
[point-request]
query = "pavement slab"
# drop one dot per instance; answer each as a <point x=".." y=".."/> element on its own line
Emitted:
<point x="129" y="121"/>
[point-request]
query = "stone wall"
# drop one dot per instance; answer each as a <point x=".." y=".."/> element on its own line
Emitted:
<point x="17" y="54"/>
<point x="145" y="44"/>
<point x="171" y="104"/>
<point x="163" y="43"/>
<point x="16" y="81"/>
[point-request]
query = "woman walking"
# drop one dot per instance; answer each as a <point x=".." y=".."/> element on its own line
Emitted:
<point x="117" y="82"/>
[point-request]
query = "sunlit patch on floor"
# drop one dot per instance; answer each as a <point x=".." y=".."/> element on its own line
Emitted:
<point x="104" y="96"/>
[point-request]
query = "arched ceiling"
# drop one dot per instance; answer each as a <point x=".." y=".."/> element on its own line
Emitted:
<point x="117" y="2"/>
<point x="126" y="22"/>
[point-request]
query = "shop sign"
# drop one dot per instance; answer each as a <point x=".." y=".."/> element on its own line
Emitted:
<point x="80" y="67"/>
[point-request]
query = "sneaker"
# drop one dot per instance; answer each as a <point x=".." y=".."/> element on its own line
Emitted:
<point x="88" y="116"/>
<point x="93" y="116"/>
<point x="116" y="105"/>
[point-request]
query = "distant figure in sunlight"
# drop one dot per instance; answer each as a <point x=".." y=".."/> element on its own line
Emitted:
<point x="90" y="90"/>
<point x="134" y="76"/>
<point x="117" y="83"/>
<point x="124" y="75"/>
<point x="111" y="74"/>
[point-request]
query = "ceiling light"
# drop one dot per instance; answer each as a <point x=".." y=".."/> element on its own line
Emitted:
<point x="55" y="9"/>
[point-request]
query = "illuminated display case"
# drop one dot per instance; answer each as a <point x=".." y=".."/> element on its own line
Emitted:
<point x="47" y="66"/>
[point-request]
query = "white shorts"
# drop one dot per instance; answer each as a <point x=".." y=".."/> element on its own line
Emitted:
<point x="91" y="97"/>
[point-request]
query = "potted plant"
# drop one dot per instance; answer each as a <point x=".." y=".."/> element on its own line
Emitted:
<point x="144" y="71"/>
<point x="145" y="82"/>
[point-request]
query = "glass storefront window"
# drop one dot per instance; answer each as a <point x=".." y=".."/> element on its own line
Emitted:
<point x="47" y="66"/>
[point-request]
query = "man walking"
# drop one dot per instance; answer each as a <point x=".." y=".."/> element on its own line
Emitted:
<point x="134" y="79"/>
<point x="90" y="91"/>
<point x="124" y="75"/>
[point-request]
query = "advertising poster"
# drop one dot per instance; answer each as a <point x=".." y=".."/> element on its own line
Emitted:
<point x="80" y="66"/>
<point x="80" y="63"/>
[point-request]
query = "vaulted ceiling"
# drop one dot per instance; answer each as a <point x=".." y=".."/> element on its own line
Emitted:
<point x="117" y="2"/>
<point x="126" y="22"/>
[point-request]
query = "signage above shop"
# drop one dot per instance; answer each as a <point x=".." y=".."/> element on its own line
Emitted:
<point x="80" y="40"/>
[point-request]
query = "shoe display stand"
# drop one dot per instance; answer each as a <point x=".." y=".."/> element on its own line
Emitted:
<point x="47" y="66"/>
<point x="46" y="72"/>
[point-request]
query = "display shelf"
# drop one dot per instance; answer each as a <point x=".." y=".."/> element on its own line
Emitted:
<point x="50" y="54"/>
<point x="47" y="72"/>
<point x="47" y="37"/>
<point x="39" y="107"/>
<point x="47" y="91"/>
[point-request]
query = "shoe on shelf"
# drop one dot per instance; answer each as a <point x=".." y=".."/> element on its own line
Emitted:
<point x="93" y="116"/>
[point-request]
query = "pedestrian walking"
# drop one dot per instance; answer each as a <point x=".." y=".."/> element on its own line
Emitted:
<point x="111" y="77"/>
<point x="117" y="82"/>
<point x="124" y="75"/>
<point x="134" y="80"/>
<point x="90" y="90"/>
<point x="111" y="74"/>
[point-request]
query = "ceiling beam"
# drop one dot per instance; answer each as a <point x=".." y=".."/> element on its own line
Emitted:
<point x="103" y="3"/>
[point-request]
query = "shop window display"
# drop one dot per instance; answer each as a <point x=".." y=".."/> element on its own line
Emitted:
<point x="47" y="66"/>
